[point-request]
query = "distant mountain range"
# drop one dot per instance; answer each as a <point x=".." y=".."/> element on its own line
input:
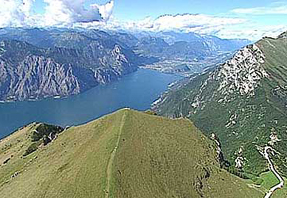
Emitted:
<point x="177" y="45"/>
<point x="42" y="63"/>
<point x="243" y="101"/>
<point x="185" y="53"/>
<point x="38" y="63"/>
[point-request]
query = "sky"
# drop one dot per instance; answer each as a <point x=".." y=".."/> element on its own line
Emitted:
<point x="250" y="19"/>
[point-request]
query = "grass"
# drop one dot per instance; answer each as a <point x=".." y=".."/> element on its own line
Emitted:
<point x="265" y="182"/>
<point x="282" y="192"/>
<point x="269" y="180"/>
<point x="141" y="155"/>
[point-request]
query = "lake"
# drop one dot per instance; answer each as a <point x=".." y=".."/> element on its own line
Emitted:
<point x="137" y="91"/>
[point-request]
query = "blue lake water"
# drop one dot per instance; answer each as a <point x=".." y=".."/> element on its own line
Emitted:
<point x="137" y="90"/>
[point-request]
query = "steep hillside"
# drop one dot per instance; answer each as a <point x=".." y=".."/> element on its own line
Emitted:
<point x="243" y="102"/>
<point x="125" y="154"/>
<point x="30" y="72"/>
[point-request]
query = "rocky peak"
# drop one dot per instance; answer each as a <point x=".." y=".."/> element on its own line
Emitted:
<point x="243" y="72"/>
<point x="117" y="53"/>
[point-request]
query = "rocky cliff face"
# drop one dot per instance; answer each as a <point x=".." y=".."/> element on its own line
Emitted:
<point x="241" y="74"/>
<point x="37" y="77"/>
<point x="29" y="72"/>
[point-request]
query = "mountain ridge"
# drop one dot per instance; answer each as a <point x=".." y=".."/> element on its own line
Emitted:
<point x="153" y="156"/>
<point x="77" y="60"/>
<point x="36" y="73"/>
<point x="243" y="102"/>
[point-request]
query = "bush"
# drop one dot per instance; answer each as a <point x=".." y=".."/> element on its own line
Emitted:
<point x="32" y="148"/>
<point x="45" y="130"/>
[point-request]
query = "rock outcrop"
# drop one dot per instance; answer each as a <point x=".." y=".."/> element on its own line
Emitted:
<point x="29" y="72"/>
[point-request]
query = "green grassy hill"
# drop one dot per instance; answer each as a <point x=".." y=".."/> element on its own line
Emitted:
<point x="125" y="154"/>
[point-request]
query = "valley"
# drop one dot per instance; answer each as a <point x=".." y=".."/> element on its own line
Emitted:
<point x="187" y="67"/>
<point x="41" y="63"/>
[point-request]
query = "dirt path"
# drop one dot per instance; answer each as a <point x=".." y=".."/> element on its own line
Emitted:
<point x="110" y="164"/>
<point x="271" y="166"/>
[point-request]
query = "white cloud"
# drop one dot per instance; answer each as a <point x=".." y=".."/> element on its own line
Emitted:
<point x="57" y="13"/>
<point x="27" y="6"/>
<point x="15" y="12"/>
<point x="72" y="13"/>
<point x="68" y="12"/>
<point x="185" y="22"/>
<point x="105" y="10"/>
<point x="223" y="27"/>
<point x="190" y="22"/>
<point x="282" y="9"/>
<point x="251" y="31"/>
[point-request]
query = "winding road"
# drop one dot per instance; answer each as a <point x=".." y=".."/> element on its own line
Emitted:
<point x="271" y="166"/>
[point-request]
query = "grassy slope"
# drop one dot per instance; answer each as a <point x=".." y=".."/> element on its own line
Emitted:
<point x="266" y="181"/>
<point x="131" y="154"/>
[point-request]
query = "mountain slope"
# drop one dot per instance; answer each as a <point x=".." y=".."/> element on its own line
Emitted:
<point x="125" y="154"/>
<point x="30" y="72"/>
<point x="243" y="102"/>
<point x="38" y="63"/>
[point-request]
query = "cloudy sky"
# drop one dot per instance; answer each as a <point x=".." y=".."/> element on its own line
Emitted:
<point x="249" y="19"/>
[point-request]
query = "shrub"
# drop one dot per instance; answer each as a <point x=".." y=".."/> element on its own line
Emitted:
<point x="32" y="148"/>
